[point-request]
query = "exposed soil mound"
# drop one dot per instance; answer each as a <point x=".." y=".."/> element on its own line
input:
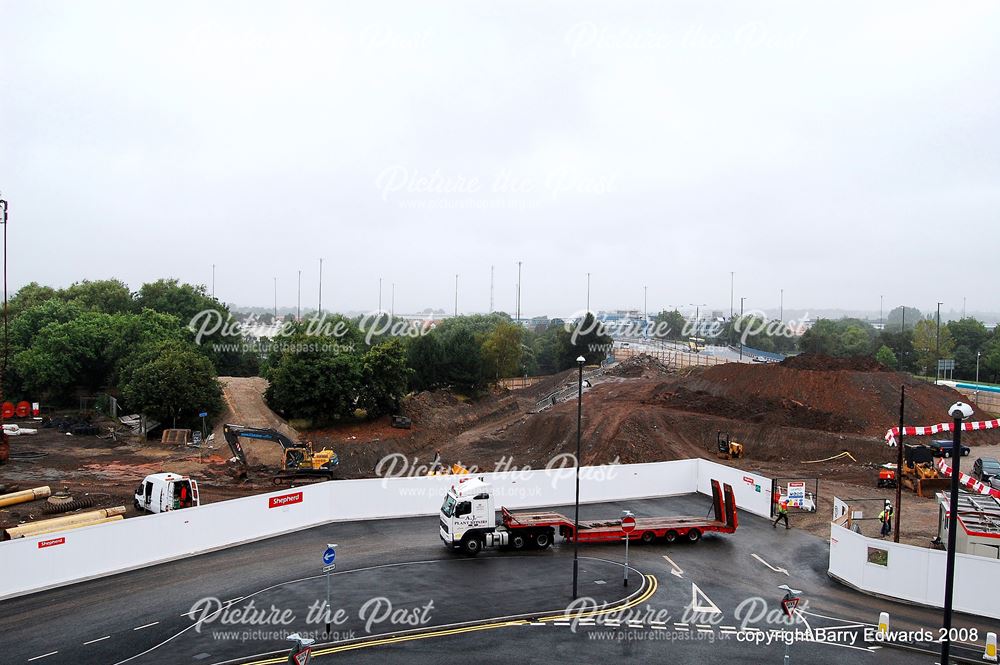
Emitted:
<point x="841" y="400"/>
<point x="643" y="365"/>
<point x="821" y="363"/>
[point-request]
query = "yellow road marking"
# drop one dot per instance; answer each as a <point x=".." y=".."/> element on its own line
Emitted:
<point x="650" y="579"/>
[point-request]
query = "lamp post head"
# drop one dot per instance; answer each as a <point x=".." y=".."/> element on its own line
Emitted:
<point x="580" y="360"/>
<point x="960" y="411"/>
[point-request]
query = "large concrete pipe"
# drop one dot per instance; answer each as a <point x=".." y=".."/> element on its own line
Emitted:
<point x="24" y="496"/>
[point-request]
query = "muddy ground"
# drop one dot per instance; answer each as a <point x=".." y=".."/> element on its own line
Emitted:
<point x="788" y="416"/>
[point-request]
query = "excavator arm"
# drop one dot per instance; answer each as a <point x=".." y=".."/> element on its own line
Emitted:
<point x="232" y="434"/>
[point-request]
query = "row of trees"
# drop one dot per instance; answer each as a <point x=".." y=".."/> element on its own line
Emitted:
<point x="362" y="375"/>
<point x="914" y="345"/>
<point x="98" y="336"/>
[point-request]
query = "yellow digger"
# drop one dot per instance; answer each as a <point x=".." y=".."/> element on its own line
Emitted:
<point x="727" y="447"/>
<point x="920" y="473"/>
<point x="298" y="460"/>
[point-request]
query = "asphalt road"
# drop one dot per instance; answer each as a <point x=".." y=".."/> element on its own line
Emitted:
<point x="394" y="575"/>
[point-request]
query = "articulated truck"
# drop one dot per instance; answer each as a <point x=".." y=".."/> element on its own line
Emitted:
<point x="469" y="522"/>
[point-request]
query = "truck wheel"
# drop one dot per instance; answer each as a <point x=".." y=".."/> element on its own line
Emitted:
<point x="648" y="537"/>
<point x="518" y="542"/>
<point x="542" y="540"/>
<point x="671" y="536"/>
<point x="694" y="535"/>
<point x="471" y="546"/>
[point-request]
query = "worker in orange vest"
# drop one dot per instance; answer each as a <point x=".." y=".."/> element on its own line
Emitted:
<point x="782" y="513"/>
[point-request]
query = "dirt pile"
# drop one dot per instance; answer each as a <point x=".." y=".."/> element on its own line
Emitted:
<point x="821" y="363"/>
<point x="793" y="394"/>
<point x="643" y="365"/>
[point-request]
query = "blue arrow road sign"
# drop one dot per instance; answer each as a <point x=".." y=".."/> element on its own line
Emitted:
<point x="329" y="556"/>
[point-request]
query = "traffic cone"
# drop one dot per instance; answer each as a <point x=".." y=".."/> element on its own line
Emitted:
<point x="991" y="648"/>
<point x="883" y="623"/>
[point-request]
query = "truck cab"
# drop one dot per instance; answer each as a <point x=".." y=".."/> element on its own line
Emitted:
<point x="161" y="492"/>
<point x="467" y="513"/>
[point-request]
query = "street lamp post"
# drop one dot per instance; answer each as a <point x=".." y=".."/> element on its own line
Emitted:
<point x="978" y="355"/>
<point x="645" y="312"/>
<point x="319" y="306"/>
<point x="742" y="298"/>
<point x="937" y="344"/>
<point x="959" y="412"/>
<point x="697" y="318"/>
<point x="576" y="514"/>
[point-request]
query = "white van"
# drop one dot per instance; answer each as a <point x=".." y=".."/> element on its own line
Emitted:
<point x="161" y="492"/>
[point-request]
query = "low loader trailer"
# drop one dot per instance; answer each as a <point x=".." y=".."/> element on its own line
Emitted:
<point x="469" y="523"/>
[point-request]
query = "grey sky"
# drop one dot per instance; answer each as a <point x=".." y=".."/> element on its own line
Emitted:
<point x="839" y="151"/>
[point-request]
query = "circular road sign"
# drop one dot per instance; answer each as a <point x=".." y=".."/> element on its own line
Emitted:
<point x="628" y="524"/>
<point x="329" y="556"/>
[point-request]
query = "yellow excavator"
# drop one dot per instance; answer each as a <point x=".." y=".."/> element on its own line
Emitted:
<point x="727" y="447"/>
<point x="298" y="460"/>
<point x="920" y="474"/>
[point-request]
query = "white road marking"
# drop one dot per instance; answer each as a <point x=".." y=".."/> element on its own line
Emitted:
<point x="674" y="568"/>
<point x="146" y="625"/>
<point x="44" y="655"/>
<point x="777" y="570"/>
<point x="711" y="608"/>
<point x="99" y="639"/>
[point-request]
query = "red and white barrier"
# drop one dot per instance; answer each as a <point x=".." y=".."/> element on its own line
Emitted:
<point x="968" y="481"/>
<point x="891" y="435"/>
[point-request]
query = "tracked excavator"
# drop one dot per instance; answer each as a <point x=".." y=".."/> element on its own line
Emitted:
<point x="298" y="460"/>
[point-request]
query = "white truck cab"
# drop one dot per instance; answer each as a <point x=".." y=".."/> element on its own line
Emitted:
<point x="467" y="510"/>
<point x="161" y="492"/>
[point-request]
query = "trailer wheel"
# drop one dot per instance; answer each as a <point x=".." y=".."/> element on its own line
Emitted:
<point x="694" y="535"/>
<point x="648" y="537"/>
<point x="518" y="542"/>
<point x="671" y="536"/>
<point x="471" y="546"/>
<point x="542" y="540"/>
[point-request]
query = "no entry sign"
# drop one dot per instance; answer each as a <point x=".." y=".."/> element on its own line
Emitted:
<point x="628" y="524"/>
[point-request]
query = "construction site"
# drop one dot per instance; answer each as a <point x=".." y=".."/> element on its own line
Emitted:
<point x="809" y="418"/>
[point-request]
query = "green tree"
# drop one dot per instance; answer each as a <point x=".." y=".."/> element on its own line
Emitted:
<point x="426" y="358"/>
<point x="321" y="382"/>
<point x="111" y="296"/>
<point x="174" y="385"/>
<point x="670" y="325"/>
<point x="28" y="296"/>
<point x="64" y="355"/>
<point x="503" y="350"/>
<point x="384" y="377"/>
<point x="971" y="337"/>
<point x="463" y="370"/>
<point x="30" y="320"/>
<point x="894" y="320"/>
<point x="842" y="338"/>
<point x="885" y="356"/>
<point x="194" y="308"/>
<point x="925" y="344"/>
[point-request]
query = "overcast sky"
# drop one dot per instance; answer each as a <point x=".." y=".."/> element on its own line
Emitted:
<point x="839" y="152"/>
